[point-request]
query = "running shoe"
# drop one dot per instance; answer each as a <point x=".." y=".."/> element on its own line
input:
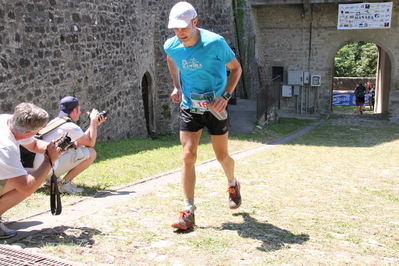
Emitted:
<point x="234" y="196"/>
<point x="186" y="221"/>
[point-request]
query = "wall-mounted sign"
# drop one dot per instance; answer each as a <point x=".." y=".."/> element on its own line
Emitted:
<point x="364" y="16"/>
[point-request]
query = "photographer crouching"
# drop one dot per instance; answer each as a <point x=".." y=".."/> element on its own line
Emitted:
<point x="15" y="183"/>
<point x="80" y="154"/>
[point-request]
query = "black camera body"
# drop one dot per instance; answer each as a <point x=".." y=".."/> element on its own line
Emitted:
<point x="64" y="142"/>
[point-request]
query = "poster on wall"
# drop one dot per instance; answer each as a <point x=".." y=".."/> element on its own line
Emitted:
<point x="364" y="16"/>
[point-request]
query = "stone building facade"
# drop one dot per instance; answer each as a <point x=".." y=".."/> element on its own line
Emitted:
<point x="107" y="53"/>
<point x="295" y="35"/>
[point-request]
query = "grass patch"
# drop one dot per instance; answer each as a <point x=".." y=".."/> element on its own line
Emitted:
<point x="344" y="108"/>
<point x="317" y="200"/>
<point x="125" y="161"/>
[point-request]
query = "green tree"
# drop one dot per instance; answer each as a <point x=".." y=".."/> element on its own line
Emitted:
<point x="357" y="59"/>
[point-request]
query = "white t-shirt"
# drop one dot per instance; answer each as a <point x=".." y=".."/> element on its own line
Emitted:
<point x="10" y="157"/>
<point x="73" y="130"/>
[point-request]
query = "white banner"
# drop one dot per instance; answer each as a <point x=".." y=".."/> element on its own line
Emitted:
<point x="364" y="16"/>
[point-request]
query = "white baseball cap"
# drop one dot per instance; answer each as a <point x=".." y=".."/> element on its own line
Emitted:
<point x="181" y="15"/>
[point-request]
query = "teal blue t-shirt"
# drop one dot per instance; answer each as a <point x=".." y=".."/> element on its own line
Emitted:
<point x="202" y="66"/>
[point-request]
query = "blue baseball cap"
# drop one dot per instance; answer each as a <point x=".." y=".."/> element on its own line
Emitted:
<point x="67" y="104"/>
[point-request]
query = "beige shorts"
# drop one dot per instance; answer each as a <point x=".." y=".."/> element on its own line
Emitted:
<point x="69" y="160"/>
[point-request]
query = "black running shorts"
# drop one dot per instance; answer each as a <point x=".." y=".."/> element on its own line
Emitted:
<point x="194" y="122"/>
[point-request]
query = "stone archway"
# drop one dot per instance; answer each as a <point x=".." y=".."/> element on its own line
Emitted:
<point x="147" y="96"/>
<point x="383" y="76"/>
<point x="383" y="82"/>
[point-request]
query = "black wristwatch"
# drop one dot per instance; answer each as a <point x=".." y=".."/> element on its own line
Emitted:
<point x="226" y="95"/>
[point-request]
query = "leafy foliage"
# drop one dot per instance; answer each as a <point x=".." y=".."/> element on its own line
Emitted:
<point x="357" y="59"/>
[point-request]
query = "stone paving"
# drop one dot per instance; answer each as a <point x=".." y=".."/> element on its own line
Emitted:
<point x="366" y="119"/>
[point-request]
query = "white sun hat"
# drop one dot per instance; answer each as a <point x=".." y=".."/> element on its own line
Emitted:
<point x="181" y="15"/>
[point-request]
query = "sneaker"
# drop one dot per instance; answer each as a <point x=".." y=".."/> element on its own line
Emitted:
<point x="234" y="196"/>
<point x="186" y="221"/>
<point x="66" y="186"/>
<point x="5" y="232"/>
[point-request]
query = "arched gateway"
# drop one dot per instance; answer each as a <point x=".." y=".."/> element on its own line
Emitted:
<point x="304" y="37"/>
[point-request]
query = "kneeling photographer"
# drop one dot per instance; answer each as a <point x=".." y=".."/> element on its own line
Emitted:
<point x="80" y="154"/>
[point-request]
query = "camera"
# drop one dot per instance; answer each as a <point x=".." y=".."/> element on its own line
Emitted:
<point x="103" y="113"/>
<point x="64" y="142"/>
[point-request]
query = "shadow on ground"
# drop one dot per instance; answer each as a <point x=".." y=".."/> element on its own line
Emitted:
<point x="273" y="237"/>
<point x="63" y="235"/>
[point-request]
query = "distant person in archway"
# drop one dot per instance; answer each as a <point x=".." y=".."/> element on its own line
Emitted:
<point x="372" y="97"/>
<point x="359" y="92"/>
<point x="357" y="85"/>
<point x="368" y="87"/>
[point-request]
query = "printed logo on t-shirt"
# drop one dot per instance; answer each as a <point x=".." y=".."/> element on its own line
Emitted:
<point x="192" y="64"/>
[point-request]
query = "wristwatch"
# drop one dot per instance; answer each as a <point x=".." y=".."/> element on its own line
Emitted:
<point x="226" y="95"/>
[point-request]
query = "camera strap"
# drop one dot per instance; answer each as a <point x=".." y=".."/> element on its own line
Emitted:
<point x="55" y="198"/>
<point x="54" y="125"/>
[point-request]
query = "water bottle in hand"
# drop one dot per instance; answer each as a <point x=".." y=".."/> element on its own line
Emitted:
<point x="219" y="116"/>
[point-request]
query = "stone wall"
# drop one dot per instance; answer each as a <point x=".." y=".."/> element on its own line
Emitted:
<point x="349" y="84"/>
<point x="109" y="54"/>
<point x="103" y="52"/>
<point x="270" y="116"/>
<point x="251" y="79"/>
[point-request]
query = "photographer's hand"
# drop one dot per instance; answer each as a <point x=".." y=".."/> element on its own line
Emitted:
<point x="96" y="118"/>
<point x="53" y="152"/>
<point x="101" y="119"/>
<point x="93" y="115"/>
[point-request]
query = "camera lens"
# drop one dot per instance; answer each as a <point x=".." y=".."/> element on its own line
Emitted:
<point x="64" y="143"/>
